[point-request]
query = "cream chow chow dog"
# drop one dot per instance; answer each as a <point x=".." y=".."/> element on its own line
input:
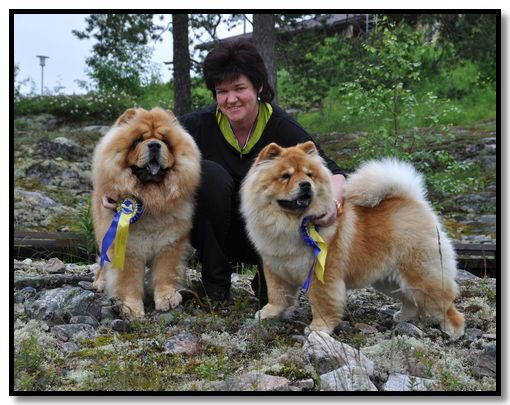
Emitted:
<point x="387" y="235"/>
<point x="147" y="156"/>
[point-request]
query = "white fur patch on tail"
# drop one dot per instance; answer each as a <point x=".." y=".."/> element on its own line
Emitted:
<point x="379" y="179"/>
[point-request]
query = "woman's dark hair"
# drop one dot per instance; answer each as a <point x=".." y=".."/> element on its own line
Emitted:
<point x="234" y="58"/>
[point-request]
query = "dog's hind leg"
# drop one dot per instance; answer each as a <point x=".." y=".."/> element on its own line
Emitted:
<point x="434" y="294"/>
<point x="408" y="310"/>
<point x="281" y="295"/>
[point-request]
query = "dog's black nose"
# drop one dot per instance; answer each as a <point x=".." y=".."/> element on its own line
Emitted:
<point x="154" y="146"/>
<point x="305" y="186"/>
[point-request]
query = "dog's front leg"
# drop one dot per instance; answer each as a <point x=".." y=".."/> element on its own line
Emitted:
<point x="165" y="275"/>
<point x="327" y="302"/>
<point x="280" y="294"/>
<point x="127" y="285"/>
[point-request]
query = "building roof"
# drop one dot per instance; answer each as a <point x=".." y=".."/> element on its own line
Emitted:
<point x="331" y="21"/>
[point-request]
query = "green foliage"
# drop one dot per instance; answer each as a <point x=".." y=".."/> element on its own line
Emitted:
<point x="86" y="230"/>
<point x="31" y="369"/>
<point x="156" y="94"/>
<point x="88" y="107"/>
<point x="200" y="96"/>
<point x="383" y="92"/>
<point x="121" y="57"/>
<point x="403" y="116"/>
<point x="305" y="82"/>
<point x="474" y="37"/>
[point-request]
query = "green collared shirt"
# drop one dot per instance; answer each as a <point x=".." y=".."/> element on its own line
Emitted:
<point x="265" y="111"/>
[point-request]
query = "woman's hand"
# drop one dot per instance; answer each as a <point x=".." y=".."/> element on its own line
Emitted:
<point x="335" y="208"/>
<point x="329" y="217"/>
<point x="109" y="202"/>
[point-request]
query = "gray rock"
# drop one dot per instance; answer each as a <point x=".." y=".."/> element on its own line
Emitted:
<point x="84" y="319"/>
<point x="35" y="198"/>
<point x="408" y="329"/>
<point x="365" y="328"/>
<point x="24" y="294"/>
<point x="490" y="336"/>
<point x="473" y="334"/>
<point x="55" y="266"/>
<point x="344" y="327"/>
<point x="120" y="325"/>
<point x="306" y="385"/>
<point x="347" y="379"/>
<point x="486" y="362"/>
<point x="328" y="354"/>
<point x="60" y="147"/>
<point x="402" y="382"/>
<point x="60" y="304"/>
<point x="257" y="381"/>
<point x="74" y="332"/>
<point x="49" y="281"/>
<point x="108" y="312"/>
<point x="185" y="343"/>
<point x="70" y="347"/>
<point x="465" y="275"/>
<point x="86" y="285"/>
<point x="102" y="129"/>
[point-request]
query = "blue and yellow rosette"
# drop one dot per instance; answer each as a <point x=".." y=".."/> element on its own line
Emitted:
<point x="128" y="211"/>
<point x="312" y="238"/>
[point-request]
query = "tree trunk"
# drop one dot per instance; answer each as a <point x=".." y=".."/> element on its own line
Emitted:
<point x="264" y="38"/>
<point x="182" y="64"/>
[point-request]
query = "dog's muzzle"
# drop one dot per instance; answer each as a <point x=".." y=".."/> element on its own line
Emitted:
<point x="152" y="171"/>
<point x="302" y="201"/>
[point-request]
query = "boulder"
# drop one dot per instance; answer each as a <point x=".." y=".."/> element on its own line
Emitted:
<point x="347" y="379"/>
<point x="328" y="354"/>
<point x="402" y="382"/>
<point x="60" y="304"/>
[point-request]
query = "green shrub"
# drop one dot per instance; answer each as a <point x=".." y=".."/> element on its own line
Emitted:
<point x="86" y="108"/>
<point x="156" y="94"/>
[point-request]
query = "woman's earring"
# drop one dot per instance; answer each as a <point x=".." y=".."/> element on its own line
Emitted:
<point x="258" y="97"/>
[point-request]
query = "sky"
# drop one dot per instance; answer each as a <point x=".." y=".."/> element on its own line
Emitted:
<point x="51" y="35"/>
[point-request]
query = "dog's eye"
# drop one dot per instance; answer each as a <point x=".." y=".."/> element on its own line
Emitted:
<point x="138" y="140"/>
<point x="286" y="176"/>
<point x="309" y="174"/>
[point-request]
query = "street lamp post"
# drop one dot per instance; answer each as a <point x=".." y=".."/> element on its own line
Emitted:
<point x="42" y="61"/>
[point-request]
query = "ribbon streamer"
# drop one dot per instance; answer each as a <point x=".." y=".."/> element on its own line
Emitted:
<point x="127" y="212"/>
<point x="312" y="238"/>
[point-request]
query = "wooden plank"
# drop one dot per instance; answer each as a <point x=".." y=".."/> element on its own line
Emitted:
<point x="46" y="235"/>
<point x="476" y="249"/>
<point x="46" y="244"/>
<point x="476" y="258"/>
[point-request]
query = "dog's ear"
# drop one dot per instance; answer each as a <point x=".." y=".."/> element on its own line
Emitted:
<point x="126" y="116"/>
<point x="269" y="152"/>
<point x="170" y="113"/>
<point x="309" y="148"/>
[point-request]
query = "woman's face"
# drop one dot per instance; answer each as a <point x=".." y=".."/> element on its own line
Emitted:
<point x="237" y="100"/>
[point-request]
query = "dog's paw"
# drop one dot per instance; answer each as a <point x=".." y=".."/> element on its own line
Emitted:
<point x="269" y="311"/>
<point x="133" y="308"/>
<point x="405" y="315"/>
<point x="99" y="278"/>
<point x="98" y="284"/>
<point x="165" y="302"/>
<point x="318" y="327"/>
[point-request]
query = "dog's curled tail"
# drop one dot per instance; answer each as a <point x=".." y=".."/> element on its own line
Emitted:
<point x="377" y="180"/>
